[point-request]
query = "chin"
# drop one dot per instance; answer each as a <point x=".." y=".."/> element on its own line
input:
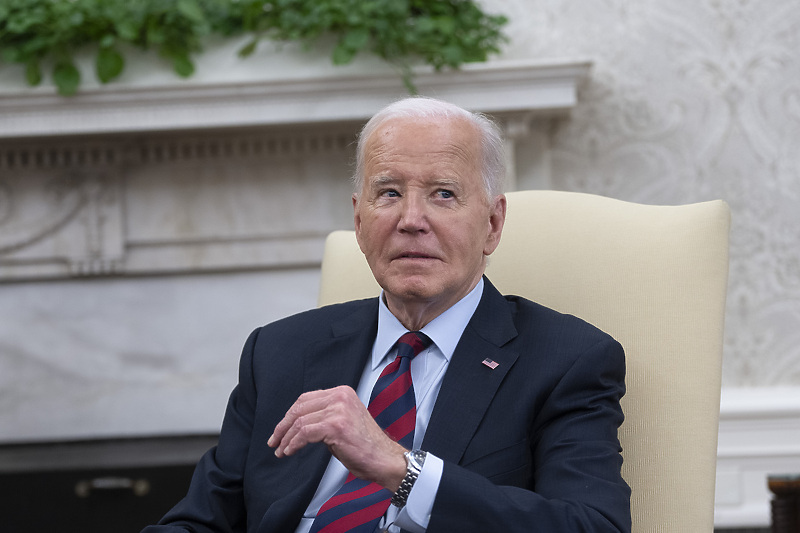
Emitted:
<point x="411" y="288"/>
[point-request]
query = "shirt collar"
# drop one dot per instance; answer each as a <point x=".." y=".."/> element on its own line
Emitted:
<point x="445" y="330"/>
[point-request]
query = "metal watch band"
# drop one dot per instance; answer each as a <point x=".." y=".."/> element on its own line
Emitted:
<point x="414" y="461"/>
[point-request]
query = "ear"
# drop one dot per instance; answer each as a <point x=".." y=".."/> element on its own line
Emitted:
<point x="357" y="220"/>
<point x="497" y="218"/>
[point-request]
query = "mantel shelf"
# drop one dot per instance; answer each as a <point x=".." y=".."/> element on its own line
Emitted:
<point x="507" y="87"/>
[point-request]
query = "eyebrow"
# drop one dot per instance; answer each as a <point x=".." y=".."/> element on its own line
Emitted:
<point x="447" y="183"/>
<point x="383" y="180"/>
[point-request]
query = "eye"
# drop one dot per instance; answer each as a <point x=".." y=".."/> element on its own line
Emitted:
<point x="444" y="193"/>
<point x="390" y="193"/>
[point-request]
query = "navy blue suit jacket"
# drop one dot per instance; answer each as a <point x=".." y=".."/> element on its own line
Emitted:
<point x="529" y="446"/>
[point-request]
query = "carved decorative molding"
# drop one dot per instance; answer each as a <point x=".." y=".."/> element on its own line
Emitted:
<point x="498" y="88"/>
<point x="246" y="175"/>
<point x="62" y="222"/>
<point x="171" y="202"/>
<point x="89" y="153"/>
<point x="759" y="435"/>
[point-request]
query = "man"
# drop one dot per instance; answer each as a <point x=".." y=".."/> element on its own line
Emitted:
<point x="514" y="410"/>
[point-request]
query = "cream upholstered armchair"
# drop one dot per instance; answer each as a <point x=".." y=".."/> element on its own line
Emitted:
<point x="654" y="277"/>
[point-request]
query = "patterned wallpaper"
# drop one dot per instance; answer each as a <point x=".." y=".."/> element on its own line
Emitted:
<point x="691" y="100"/>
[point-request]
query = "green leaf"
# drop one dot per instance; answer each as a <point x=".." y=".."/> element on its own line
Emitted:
<point x="33" y="72"/>
<point x="66" y="77"/>
<point x="191" y="10"/>
<point x="356" y="39"/>
<point x="446" y="25"/>
<point x="107" y="41"/>
<point x="343" y="55"/>
<point x="248" y="49"/>
<point x="183" y="65"/>
<point x="425" y="25"/>
<point x="453" y="55"/>
<point x="76" y="19"/>
<point x="155" y="32"/>
<point x="109" y="64"/>
<point x="127" y="29"/>
<point x="12" y="55"/>
<point x="402" y="32"/>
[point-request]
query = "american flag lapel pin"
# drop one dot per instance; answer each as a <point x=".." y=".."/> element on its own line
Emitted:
<point x="491" y="364"/>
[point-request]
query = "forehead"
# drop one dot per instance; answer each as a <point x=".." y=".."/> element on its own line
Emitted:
<point x="435" y="142"/>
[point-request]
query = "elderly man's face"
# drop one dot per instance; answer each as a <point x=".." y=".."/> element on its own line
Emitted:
<point x="422" y="217"/>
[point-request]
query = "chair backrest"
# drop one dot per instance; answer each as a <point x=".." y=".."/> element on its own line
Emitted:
<point x="655" y="278"/>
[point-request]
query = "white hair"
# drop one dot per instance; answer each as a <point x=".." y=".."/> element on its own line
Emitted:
<point x="492" y="158"/>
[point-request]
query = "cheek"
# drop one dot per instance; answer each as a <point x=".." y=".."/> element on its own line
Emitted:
<point x="372" y="241"/>
<point x="467" y="235"/>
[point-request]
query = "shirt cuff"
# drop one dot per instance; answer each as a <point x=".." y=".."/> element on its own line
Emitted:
<point x="416" y="514"/>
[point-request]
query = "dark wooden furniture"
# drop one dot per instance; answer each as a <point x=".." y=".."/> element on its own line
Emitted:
<point x="785" y="505"/>
<point x="117" y="485"/>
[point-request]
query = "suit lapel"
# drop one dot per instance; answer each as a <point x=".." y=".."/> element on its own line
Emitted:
<point x="469" y="386"/>
<point x="329" y="363"/>
<point x="341" y="360"/>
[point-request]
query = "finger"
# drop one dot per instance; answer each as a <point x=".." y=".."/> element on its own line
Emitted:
<point x="336" y="415"/>
<point x="307" y="402"/>
<point x="335" y="424"/>
<point x="341" y="425"/>
<point x="308" y="429"/>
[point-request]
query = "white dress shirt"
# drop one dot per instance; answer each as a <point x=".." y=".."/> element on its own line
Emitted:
<point x="427" y="370"/>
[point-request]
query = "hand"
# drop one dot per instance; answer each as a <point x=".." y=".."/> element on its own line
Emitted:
<point x="339" y="419"/>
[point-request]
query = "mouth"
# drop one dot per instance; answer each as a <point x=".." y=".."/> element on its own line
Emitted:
<point x="414" y="255"/>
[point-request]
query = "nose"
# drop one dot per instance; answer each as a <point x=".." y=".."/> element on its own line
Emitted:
<point x="413" y="215"/>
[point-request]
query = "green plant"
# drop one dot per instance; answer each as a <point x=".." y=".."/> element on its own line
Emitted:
<point x="39" y="33"/>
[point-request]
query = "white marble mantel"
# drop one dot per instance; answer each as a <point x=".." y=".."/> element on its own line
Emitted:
<point x="208" y="176"/>
<point x="510" y="87"/>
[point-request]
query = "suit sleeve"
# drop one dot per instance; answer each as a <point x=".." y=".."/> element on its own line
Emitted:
<point x="575" y="482"/>
<point x="215" y="500"/>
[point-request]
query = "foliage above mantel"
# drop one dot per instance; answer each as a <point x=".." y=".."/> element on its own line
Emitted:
<point x="47" y="33"/>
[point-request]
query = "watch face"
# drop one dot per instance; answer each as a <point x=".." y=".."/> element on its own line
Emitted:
<point x="416" y="459"/>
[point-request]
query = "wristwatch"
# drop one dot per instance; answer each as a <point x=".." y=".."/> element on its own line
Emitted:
<point x="414" y="461"/>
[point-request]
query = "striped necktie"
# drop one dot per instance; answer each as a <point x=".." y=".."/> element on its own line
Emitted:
<point x="358" y="505"/>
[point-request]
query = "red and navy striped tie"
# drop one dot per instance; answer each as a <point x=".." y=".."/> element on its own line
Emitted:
<point x="358" y="505"/>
